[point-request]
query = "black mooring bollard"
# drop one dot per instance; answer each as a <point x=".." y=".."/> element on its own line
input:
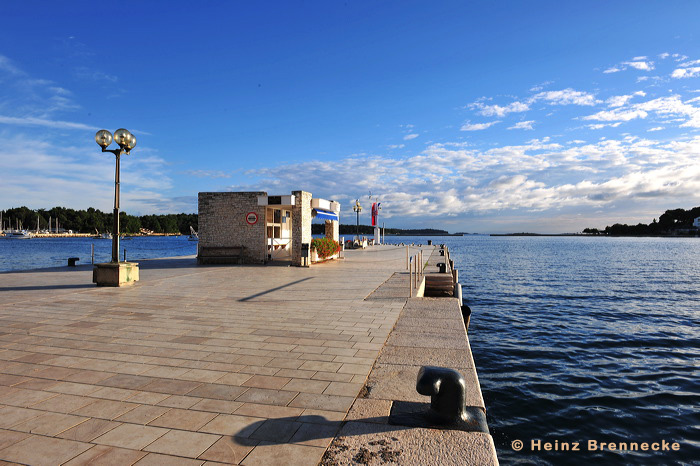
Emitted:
<point x="466" y="315"/>
<point x="447" y="391"/>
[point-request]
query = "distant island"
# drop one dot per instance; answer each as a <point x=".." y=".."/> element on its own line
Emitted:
<point x="676" y="222"/>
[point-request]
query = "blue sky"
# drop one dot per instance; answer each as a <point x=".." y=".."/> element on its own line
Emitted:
<point x="469" y="116"/>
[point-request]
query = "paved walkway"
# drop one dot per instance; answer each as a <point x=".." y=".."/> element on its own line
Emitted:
<point x="192" y="365"/>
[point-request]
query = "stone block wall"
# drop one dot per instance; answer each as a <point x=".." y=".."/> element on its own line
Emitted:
<point x="332" y="230"/>
<point x="301" y="224"/>
<point x="222" y="223"/>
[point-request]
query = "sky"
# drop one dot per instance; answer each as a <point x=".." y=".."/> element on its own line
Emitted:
<point x="470" y="116"/>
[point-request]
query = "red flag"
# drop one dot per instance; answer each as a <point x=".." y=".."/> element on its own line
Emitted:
<point x="374" y="214"/>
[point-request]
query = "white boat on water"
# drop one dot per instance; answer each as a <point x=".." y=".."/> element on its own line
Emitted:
<point x="17" y="234"/>
<point x="193" y="235"/>
<point x="105" y="236"/>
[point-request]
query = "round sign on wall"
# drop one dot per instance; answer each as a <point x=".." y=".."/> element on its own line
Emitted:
<point x="251" y="218"/>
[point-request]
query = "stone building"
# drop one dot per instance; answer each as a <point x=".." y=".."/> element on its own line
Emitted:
<point x="256" y="228"/>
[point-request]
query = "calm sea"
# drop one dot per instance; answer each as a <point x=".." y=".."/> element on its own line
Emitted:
<point x="34" y="253"/>
<point x="574" y="338"/>
<point x="585" y="338"/>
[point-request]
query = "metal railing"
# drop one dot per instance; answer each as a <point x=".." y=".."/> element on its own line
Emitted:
<point x="416" y="269"/>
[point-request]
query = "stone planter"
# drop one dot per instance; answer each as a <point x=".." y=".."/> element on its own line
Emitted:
<point x="115" y="273"/>
<point x="315" y="257"/>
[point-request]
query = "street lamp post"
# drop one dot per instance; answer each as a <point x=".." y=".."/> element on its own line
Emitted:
<point x="357" y="208"/>
<point x="126" y="141"/>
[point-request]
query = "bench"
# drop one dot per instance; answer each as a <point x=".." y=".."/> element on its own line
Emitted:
<point x="72" y="261"/>
<point x="220" y="254"/>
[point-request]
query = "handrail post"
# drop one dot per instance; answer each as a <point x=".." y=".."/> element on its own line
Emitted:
<point x="415" y="276"/>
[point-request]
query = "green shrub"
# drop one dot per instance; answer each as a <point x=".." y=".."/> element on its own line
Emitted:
<point x="325" y="247"/>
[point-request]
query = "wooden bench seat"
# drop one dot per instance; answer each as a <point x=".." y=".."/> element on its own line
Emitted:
<point x="220" y="254"/>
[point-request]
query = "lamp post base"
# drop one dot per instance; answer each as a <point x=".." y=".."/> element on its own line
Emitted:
<point x="115" y="273"/>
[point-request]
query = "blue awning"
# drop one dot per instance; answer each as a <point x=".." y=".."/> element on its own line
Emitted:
<point x="326" y="214"/>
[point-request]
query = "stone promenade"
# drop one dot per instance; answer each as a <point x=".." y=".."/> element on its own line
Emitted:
<point x="193" y="364"/>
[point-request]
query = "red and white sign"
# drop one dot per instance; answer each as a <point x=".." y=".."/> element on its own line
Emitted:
<point x="251" y="218"/>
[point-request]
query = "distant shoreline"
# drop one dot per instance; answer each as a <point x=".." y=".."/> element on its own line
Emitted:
<point x="594" y="236"/>
<point x="426" y="234"/>
<point x="539" y="234"/>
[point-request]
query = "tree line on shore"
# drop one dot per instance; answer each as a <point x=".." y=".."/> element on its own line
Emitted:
<point x="671" y="222"/>
<point x="92" y="220"/>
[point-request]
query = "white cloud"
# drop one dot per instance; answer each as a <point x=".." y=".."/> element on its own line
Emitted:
<point x="32" y="101"/>
<point x="500" y="111"/>
<point x="208" y="173"/>
<point x="477" y="126"/>
<point x="41" y="174"/>
<point x="638" y="63"/>
<point x="686" y="72"/>
<point x="396" y="146"/>
<point x="83" y="72"/>
<point x="616" y="115"/>
<point x="657" y="128"/>
<point x="664" y="107"/>
<point x="603" y="125"/>
<point x="675" y="107"/>
<point x="31" y="121"/>
<point x="620" y="100"/>
<point x="408" y="137"/>
<point x="539" y="87"/>
<point x="7" y="66"/>
<point x="523" y="125"/>
<point x="537" y="176"/>
<point x="565" y="97"/>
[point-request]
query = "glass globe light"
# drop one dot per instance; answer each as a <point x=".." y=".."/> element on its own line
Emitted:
<point x="103" y="138"/>
<point x="121" y="137"/>
<point x="131" y="143"/>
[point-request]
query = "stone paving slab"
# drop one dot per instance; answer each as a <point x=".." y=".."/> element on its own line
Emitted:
<point x="192" y="364"/>
<point x="375" y="443"/>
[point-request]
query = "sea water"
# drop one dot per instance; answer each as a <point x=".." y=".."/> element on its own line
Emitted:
<point x="34" y="253"/>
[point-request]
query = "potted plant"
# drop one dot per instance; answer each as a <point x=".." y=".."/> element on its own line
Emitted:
<point x="324" y="248"/>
